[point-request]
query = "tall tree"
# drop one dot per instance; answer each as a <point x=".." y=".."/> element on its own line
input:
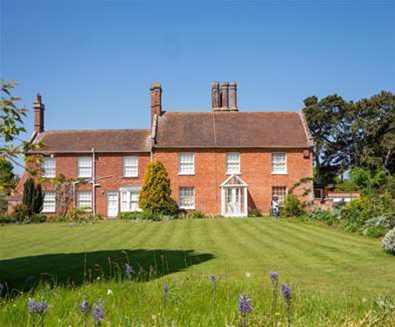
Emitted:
<point x="155" y="195"/>
<point x="33" y="197"/>
<point x="7" y="176"/>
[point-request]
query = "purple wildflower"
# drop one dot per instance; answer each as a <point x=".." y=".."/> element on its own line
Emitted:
<point x="85" y="307"/>
<point x="37" y="307"/>
<point x="245" y="305"/>
<point x="128" y="270"/>
<point x="165" y="289"/>
<point x="287" y="293"/>
<point x="274" y="276"/>
<point x="98" y="312"/>
<point x="213" y="278"/>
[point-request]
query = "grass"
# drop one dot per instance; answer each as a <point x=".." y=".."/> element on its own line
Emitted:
<point x="336" y="276"/>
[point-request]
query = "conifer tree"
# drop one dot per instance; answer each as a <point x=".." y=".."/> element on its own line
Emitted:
<point x="33" y="197"/>
<point x="155" y="195"/>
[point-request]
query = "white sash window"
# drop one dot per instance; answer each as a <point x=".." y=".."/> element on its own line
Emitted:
<point x="84" y="167"/>
<point x="84" y="200"/>
<point x="233" y="163"/>
<point x="130" y="166"/>
<point x="279" y="163"/>
<point x="48" y="167"/>
<point x="187" y="198"/>
<point x="130" y="199"/>
<point x="49" y="204"/>
<point x="187" y="163"/>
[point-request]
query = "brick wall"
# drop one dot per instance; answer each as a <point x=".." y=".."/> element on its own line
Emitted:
<point x="256" y="171"/>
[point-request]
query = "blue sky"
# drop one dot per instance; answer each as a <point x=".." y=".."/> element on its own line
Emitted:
<point x="93" y="61"/>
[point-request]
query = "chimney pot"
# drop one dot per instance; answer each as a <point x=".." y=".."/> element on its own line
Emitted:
<point x="156" y="100"/>
<point x="225" y="96"/>
<point x="233" y="96"/>
<point x="38" y="115"/>
<point x="215" y="97"/>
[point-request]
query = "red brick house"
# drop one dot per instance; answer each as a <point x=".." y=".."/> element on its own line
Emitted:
<point x="223" y="161"/>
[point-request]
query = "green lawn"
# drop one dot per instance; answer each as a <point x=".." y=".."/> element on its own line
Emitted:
<point x="336" y="276"/>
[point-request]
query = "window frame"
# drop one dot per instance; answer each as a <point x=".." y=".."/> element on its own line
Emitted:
<point x="285" y="170"/>
<point x="193" y="197"/>
<point x="133" y="166"/>
<point x="228" y="162"/>
<point x="86" y="208"/>
<point x="128" y="200"/>
<point x="280" y="197"/>
<point x="181" y="163"/>
<point x="45" y="160"/>
<point x="46" y="193"/>
<point x="79" y="160"/>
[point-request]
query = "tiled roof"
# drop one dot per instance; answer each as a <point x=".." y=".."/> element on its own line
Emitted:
<point x="110" y="140"/>
<point x="232" y="129"/>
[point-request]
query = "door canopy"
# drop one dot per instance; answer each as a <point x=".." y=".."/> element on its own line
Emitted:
<point x="234" y="181"/>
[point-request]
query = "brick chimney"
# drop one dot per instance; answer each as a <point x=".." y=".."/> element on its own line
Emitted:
<point x="224" y="96"/>
<point x="215" y="97"/>
<point x="38" y="115"/>
<point x="233" y="96"/>
<point x="156" y="100"/>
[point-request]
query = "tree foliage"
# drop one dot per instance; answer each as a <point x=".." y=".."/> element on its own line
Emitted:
<point x="33" y="197"/>
<point x="155" y="195"/>
<point x="11" y="127"/>
<point x="351" y="134"/>
<point x="7" y="176"/>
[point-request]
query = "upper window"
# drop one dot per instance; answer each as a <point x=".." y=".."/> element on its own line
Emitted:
<point x="187" y="163"/>
<point x="130" y="200"/>
<point x="187" y="198"/>
<point x="130" y="167"/>
<point x="233" y="163"/>
<point x="279" y="163"/>
<point x="48" y="167"/>
<point x="84" y="200"/>
<point x="280" y="192"/>
<point x="84" y="168"/>
<point x="49" y="203"/>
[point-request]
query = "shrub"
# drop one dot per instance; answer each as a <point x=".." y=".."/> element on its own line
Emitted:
<point x="33" y="197"/>
<point x="130" y="215"/>
<point x="388" y="242"/>
<point x="20" y="214"/>
<point x="326" y="216"/>
<point x="38" y="218"/>
<point x="77" y="215"/>
<point x="196" y="215"/>
<point x="375" y="231"/>
<point x="7" y="219"/>
<point x="155" y="195"/>
<point x="292" y="207"/>
<point x="255" y="213"/>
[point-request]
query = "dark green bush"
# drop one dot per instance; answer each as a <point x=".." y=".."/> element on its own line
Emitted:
<point x="255" y="213"/>
<point x="196" y="215"/>
<point x="21" y="214"/>
<point x="130" y="215"/>
<point x="326" y="216"/>
<point x="375" y="231"/>
<point x="38" y="218"/>
<point x="292" y="207"/>
<point x="33" y="197"/>
<point x="140" y="215"/>
<point x="8" y="219"/>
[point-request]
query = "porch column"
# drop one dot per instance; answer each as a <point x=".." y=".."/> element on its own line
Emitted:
<point x="245" y="200"/>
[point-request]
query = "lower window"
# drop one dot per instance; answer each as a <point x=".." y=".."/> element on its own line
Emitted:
<point x="280" y="192"/>
<point x="130" y="200"/>
<point x="49" y="204"/>
<point x="84" y="200"/>
<point x="187" y="198"/>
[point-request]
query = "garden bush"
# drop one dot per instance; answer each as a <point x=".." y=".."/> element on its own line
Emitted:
<point x="7" y="219"/>
<point x="196" y="215"/>
<point x="38" y="218"/>
<point x="21" y="214"/>
<point x="388" y="242"/>
<point x="292" y="207"/>
<point x="140" y="215"/>
<point x="155" y="195"/>
<point x="326" y="216"/>
<point x="130" y="215"/>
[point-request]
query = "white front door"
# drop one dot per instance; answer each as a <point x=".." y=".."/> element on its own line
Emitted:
<point x="233" y="203"/>
<point x="112" y="204"/>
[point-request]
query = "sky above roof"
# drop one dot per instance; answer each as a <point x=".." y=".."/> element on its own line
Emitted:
<point x="93" y="61"/>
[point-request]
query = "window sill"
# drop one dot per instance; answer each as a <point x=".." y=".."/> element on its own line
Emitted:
<point x="48" y="211"/>
<point x="186" y="174"/>
<point x="130" y="177"/>
<point x="188" y="208"/>
<point x="275" y="173"/>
